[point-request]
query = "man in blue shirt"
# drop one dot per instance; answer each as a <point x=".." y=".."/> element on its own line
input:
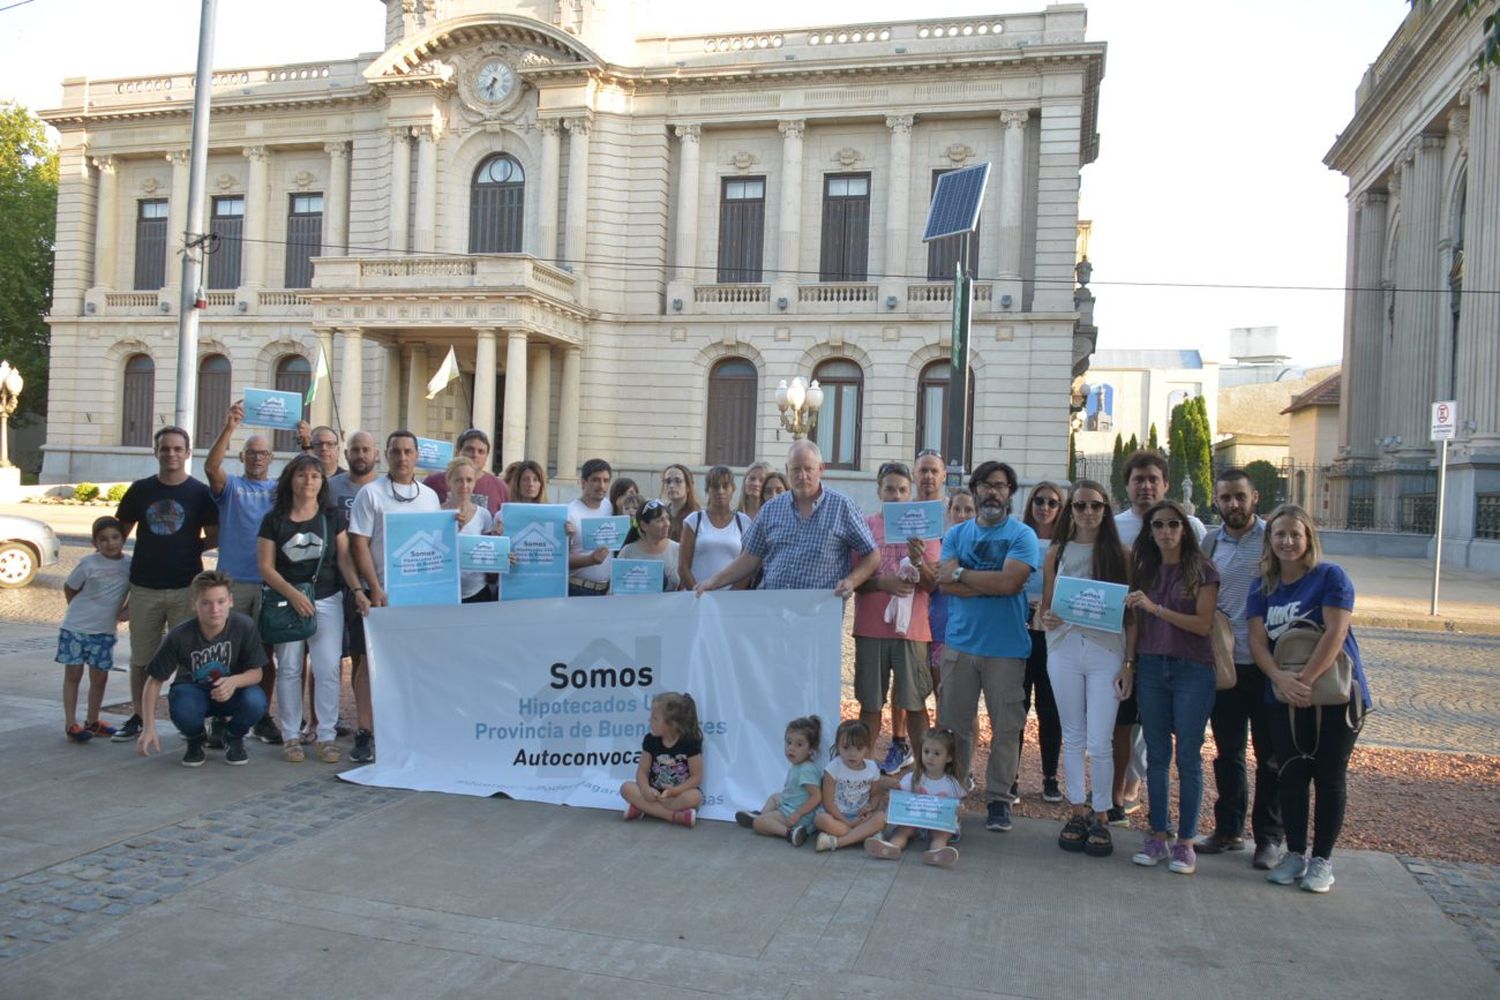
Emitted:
<point x="243" y="502"/>
<point x="804" y="537"/>
<point x="986" y="563"/>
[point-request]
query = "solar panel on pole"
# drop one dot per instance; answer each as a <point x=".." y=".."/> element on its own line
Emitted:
<point x="956" y="202"/>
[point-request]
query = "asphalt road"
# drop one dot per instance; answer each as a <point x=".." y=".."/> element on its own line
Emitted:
<point x="1433" y="690"/>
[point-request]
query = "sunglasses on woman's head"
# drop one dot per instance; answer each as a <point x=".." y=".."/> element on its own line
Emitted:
<point x="1048" y="502"/>
<point x="1086" y="505"/>
<point x="653" y="505"/>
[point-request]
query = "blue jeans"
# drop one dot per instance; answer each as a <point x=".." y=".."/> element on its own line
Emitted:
<point x="191" y="705"/>
<point x="1176" y="698"/>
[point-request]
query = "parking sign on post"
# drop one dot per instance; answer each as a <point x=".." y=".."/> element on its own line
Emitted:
<point x="1444" y="420"/>
<point x="1444" y="429"/>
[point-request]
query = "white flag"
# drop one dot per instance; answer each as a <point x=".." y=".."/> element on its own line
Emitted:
<point x="446" y="373"/>
<point x="319" y="374"/>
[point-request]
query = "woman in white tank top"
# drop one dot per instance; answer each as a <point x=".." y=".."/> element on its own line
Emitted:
<point x="711" y="537"/>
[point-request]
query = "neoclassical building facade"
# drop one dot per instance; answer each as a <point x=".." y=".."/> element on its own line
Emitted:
<point x="629" y="241"/>
<point x="1422" y="315"/>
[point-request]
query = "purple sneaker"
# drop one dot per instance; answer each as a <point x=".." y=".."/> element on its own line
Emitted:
<point x="1184" y="858"/>
<point x="1151" y="852"/>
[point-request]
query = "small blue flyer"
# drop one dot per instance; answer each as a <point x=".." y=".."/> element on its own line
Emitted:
<point x="926" y="812"/>
<point x="1089" y="603"/>
<point x="920" y="519"/>
<point x="539" y="539"/>
<point x="603" y="532"/>
<point x="433" y="454"/>
<point x="421" y="559"/>
<point x="483" y="554"/>
<point x="273" y="408"/>
<point x="636" y="576"/>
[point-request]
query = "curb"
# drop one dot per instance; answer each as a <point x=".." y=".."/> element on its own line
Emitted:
<point x="1427" y="623"/>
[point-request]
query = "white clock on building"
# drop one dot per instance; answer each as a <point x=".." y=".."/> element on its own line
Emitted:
<point x="495" y="81"/>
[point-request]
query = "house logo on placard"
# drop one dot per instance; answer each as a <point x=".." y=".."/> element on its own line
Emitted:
<point x="484" y="552"/>
<point x="534" y="543"/>
<point x="1089" y="602"/>
<point x="422" y="553"/>
<point x="272" y="409"/>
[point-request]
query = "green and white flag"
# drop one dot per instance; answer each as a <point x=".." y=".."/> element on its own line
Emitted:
<point x="319" y="374"/>
<point x="447" y="372"/>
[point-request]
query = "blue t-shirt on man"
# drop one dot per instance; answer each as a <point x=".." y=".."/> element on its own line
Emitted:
<point x="990" y="625"/>
<point x="242" y="506"/>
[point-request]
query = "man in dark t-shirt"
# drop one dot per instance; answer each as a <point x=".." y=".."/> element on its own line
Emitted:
<point x="214" y="661"/>
<point x="178" y="520"/>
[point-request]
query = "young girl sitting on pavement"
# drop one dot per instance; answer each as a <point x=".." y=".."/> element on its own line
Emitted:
<point x="936" y="773"/>
<point x="668" y="782"/>
<point x="96" y="592"/>
<point x="850" y="791"/>
<point x="789" y="813"/>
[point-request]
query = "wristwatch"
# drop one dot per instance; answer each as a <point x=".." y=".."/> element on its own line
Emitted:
<point x="958" y="574"/>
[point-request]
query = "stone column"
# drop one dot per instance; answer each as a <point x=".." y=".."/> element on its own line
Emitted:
<point x="546" y="198"/>
<point x="576" y="250"/>
<point x="322" y="406"/>
<point x="897" y="207"/>
<point x="568" y="404"/>
<point x="257" y="198"/>
<point x="424" y="238"/>
<point x="400" y="189"/>
<point x="416" y="388"/>
<point x="539" y="405"/>
<point x="686" y="243"/>
<point x="484" y="380"/>
<point x="106" y="223"/>
<point x="1420" y="316"/>
<point x="1364" y="365"/>
<point x="513" y="432"/>
<point x="1012" y="200"/>
<point x="336" y="200"/>
<point x="390" y="409"/>
<point x="352" y="378"/>
<point x="176" y="223"/>
<point x="1479" y="318"/>
<point x="789" y="228"/>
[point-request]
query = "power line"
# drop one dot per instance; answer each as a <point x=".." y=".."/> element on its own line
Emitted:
<point x="13" y="6"/>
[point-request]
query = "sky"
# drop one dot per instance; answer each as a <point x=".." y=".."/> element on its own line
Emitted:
<point x="1214" y="117"/>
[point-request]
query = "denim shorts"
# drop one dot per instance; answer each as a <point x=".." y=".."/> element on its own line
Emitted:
<point x="97" y="651"/>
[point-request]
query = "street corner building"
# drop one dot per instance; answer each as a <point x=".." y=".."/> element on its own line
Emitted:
<point x="628" y="240"/>
<point x="1422" y="313"/>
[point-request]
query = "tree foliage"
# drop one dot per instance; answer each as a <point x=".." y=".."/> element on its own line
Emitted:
<point x="1191" y="455"/>
<point x="28" y="223"/>
<point x="1117" y="469"/>
<point x="1267" y="481"/>
<point x="1151" y="440"/>
<point x="1072" y="456"/>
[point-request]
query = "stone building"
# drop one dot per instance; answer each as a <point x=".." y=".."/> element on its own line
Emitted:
<point x="628" y="240"/>
<point x="1422" y="315"/>
<point x="1126" y="392"/>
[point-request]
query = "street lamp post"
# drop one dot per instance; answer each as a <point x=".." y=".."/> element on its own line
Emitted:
<point x="11" y="384"/>
<point x="799" y="403"/>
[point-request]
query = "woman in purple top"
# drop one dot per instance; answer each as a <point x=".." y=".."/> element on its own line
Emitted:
<point x="1175" y="590"/>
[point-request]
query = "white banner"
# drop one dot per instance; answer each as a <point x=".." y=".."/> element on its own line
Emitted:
<point x="548" y="700"/>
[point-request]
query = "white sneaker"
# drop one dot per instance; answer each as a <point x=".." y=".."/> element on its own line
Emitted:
<point x="1319" y="877"/>
<point x="1291" y="868"/>
<point x="827" y="842"/>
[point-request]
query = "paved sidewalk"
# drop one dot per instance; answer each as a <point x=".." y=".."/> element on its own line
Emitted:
<point x="135" y="876"/>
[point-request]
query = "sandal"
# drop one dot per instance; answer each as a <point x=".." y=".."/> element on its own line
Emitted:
<point x="1099" y="843"/>
<point x="328" y="753"/>
<point x="1074" y="832"/>
<point x="293" y="753"/>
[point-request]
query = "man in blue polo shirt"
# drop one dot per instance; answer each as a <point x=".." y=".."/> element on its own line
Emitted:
<point x="985" y="565"/>
<point x="804" y="537"/>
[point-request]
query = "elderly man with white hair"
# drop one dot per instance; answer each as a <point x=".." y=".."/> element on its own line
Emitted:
<point x="804" y="538"/>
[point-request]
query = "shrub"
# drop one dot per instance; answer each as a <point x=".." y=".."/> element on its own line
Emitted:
<point x="116" y="493"/>
<point x="84" y="492"/>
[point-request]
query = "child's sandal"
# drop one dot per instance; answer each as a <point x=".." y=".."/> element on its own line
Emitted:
<point x="1073" y="835"/>
<point x="1099" y="843"/>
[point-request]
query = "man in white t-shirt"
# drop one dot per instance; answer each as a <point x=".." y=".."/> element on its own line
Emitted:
<point x="588" y="572"/>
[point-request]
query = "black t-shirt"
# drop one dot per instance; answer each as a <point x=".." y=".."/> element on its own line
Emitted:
<point x="169" y="522"/>
<point x="669" y="766"/>
<point x="188" y="658"/>
<point x="299" y="545"/>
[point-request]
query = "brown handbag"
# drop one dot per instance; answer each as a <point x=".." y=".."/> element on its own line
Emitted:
<point x="1222" y="639"/>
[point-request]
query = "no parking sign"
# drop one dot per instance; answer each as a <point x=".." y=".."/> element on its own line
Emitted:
<point x="1444" y="420"/>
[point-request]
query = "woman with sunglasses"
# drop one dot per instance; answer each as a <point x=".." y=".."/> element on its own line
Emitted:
<point x="711" y="537"/>
<point x="681" y="495"/>
<point x="1087" y="664"/>
<point x="1043" y="513"/>
<point x="1176" y="587"/>
<point x="648" y="540"/>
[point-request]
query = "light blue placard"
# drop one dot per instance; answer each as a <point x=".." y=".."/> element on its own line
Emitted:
<point x="434" y="454"/>
<point x="1090" y="603"/>
<point x="539" y="541"/>
<point x="603" y="532"/>
<point x="421" y="559"/>
<point x="483" y="554"/>
<point x="927" y="812"/>
<point x="922" y="519"/>
<point x="636" y="576"/>
<point x="273" y="408"/>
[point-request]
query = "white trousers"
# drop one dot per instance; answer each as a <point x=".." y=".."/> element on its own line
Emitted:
<point x="1083" y="684"/>
<point x="327" y="645"/>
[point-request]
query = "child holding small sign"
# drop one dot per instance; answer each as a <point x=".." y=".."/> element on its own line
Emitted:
<point x="789" y="813"/>
<point x="670" y="775"/>
<point x="937" y="775"/>
<point x="850" y="791"/>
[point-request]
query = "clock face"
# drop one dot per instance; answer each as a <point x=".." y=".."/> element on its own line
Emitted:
<point x="495" y="81"/>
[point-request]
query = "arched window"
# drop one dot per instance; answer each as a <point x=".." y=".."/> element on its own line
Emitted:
<point x="837" y="433"/>
<point x="293" y="374"/>
<point x="933" y="409"/>
<point x="139" y="399"/>
<point x="497" y="202"/>
<point x="214" y="387"/>
<point x="731" y="413"/>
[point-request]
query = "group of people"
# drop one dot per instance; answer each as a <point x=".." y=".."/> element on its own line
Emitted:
<point x="958" y="618"/>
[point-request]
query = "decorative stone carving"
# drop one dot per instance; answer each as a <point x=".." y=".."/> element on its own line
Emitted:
<point x="1014" y="119"/>
<point x="304" y="179"/>
<point x="548" y="126"/>
<point x="792" y="129"/>
<point x="1458" y="127"/>
<point x="581" y="124"/>
<point x="150" y="185"/>
<point x="337" y="150"/>
<point x="848" y="157"/>
<point x="1369" y="197"/>
<point x="225" y="181"/>
<point x="688" y="133"/>
<point x="254" y="152"/>
<point x="535" y="58"/>
<point x="743" y="160"/>
<point x="900" y="123"/>
<point x="959" y="153"/>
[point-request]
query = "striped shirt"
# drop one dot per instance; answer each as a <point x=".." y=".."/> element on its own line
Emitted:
<point x="807" y="553"/>
<point x="1238" y="563"/>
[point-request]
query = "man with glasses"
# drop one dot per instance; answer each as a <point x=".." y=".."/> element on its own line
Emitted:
<point x="243" y="502"/>
<point x="474" y="445"/>
<point x="321" y="442"/>
<point x="986" y="563"/>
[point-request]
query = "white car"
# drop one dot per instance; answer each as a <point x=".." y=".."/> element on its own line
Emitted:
<point x="26" y="545"/>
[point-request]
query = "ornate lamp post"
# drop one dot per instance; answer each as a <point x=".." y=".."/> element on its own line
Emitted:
<point x="799" y="404"/>
<point x="10" y="394"/>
